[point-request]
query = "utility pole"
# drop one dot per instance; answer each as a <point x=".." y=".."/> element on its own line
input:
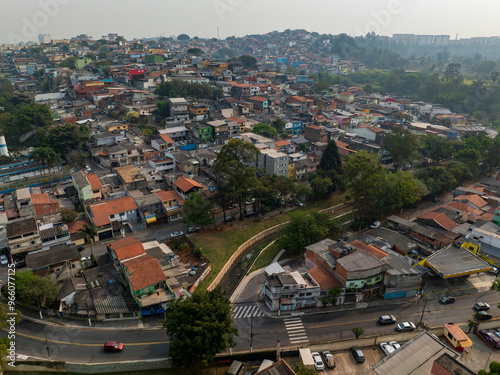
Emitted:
<point x="47" y="344"/>
<point x="251" y="335"/>
<point x="423" y="310"/>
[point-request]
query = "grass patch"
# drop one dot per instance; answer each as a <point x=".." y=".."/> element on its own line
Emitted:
<point x="219" y="245"/>
<point x="266" y="257"/>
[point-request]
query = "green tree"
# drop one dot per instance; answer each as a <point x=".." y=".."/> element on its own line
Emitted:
<point x="198" y="211"/>
<point x="90" y="233"/>
<point x="402" y="145"/>
<point x="402" y="190"/>
<point x="331" y="165"/>
<point x="235" y="174"/>
<point x="69" y="62"/>
<point x="436" y="148"/>
<point x="265" y="130"/>
<point x="132" y="117"/>
<point x="301" y="369"/>
<point x="321" y="186"/>
<point x="33" y="290"/>
<point x="366" y="178"/>
<point x="357" y="331"/>
<point x="437" y="180"/>
<point x="303" y="230"/>
<point x="195" y="51"/>
<point x="183" y="37"/>
<point x="332" y="297"/>
<point x="460" y="171"/>
<point x="68" y="216"/>
<point x="199" y="327"/>
<point x="248" y="61"/>
<point x="279" y="125"/>
<point x="494" y="369"/>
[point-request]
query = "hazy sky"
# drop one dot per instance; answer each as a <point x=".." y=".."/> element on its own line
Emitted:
<point x="23" y="20"/>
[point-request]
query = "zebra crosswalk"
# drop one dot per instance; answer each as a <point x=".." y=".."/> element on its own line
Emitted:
<point x="247" y="311"/>
<point x="295" y="330"/>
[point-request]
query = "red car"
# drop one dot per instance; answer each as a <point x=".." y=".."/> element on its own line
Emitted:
<point x="113" y="346"/>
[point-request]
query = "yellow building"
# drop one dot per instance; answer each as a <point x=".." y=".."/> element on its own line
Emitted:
<point x="117" y="126"/>
<point x="292" y="172"/>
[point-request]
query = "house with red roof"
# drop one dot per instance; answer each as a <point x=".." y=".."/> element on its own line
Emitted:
<point x="43" y="205"/>
<point x="184" y="186"/>
<point x="109" y="216"/>
<point x="260" y="103"/>
<point x="172" y="203"/>
<point x="473" y="200"/>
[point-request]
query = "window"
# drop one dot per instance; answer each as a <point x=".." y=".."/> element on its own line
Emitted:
<point x="122" y="214"/>
<point x="450" y="336"/>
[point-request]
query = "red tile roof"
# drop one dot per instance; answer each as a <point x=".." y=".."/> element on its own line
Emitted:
<point x="166" y="138"/>
<point x="186" y="184"/>
<point x="375" y="251"/>
<point x="341" y="144"/>
<point x="75" y="226"/>
<point x="127" y="248"/>
<point x="40" y="198"/>
<point x="257" y="98"/>
<point x="460" y="206"/>
<point x="475" y="199"/>
<point x="440" y="218"/>
<point x="323" y="277"/>
<point x="168" y="196"/>
<point x="95" y="182"/>
<point x="103" y="210"/>
<point x="144" y="272"/>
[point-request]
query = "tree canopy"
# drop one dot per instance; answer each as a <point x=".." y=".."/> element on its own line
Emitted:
<point x="248" y="61"/>
<point x="179" y="88"/>
<point x="34" y="290"/>
<point x="330" y="165"/>
<point x="198" y="211"/>
<point x="199" y="327"/>
<point x="402" y="145"/>
<point x="265" y="130"/>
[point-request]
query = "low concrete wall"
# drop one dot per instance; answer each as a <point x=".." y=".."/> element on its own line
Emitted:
<point x="94" y="368"/>
<point x="489" y="324"/>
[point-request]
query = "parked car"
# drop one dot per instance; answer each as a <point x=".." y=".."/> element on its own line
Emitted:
<point x="229" y="218"/>
<point x="406" y="326"/>
<point x="483" y="315"/>
<point x="357" y="354"/>
<point x="80" y="248"/>
<point x="329" y="360"/>
<point x="387" y="319"/>
<point x="375" y="224"/>
<point x="177" y="233"/>
<point x="344" y="238"/>
<point x="494" y="271"/>
<point x="481" y="306"/>
<point x="318" y="362"/>
<point x="4" y="260"/>
<point x="386" y="348"/>
<point x="113" y="346"/>
<point x="446" y="300"/>
<point x="87" y="168"/>
<point x="395" y="345"/>
<point x="299" y="203"/>
<point x="193" y="229"/>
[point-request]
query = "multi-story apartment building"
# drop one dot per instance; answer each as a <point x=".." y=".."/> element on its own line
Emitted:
<point x="273" y="162"/>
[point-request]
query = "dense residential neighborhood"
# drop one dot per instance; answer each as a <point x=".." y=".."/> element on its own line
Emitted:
<point x="124" y="163"/>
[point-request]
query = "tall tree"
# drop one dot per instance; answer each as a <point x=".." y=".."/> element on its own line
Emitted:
<point x="331" y="165"/>
<point x="34" y="290"/>
<point x="402" y="145"/>
<point x="199" y="327"/>
<point x="265" y="130"/>
<point x="90" y="233"/>
<point x="248" y="61"/>
<point x="235" y="172"/>
<point x="198" y="211"/>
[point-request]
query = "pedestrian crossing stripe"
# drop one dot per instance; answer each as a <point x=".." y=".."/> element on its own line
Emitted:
<point x="247" y="311"/>
<point x="295" y="330"/>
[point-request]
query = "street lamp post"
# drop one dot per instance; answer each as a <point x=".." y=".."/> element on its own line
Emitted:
<point x="423" y="310"/>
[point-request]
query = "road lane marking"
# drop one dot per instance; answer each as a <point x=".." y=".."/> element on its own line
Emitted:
<point x="295" y="330"/>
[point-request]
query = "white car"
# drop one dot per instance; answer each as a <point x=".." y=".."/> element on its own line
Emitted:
<point x="318" y="362"/>
<point x="386" y="348"/>
<point x="375" y="224"/>
<point x="406" y="326"/>
<point x="395" y="345"/>
<point x="4" y="260"/>
<point x="176" y="234"/>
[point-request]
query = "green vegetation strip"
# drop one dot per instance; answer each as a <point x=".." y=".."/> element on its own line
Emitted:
<point x="266" y="257"/>
<point x="218" y="246"/>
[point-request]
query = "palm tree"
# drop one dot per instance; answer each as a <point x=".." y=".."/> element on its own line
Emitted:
<point x="38" y="156"/>
<point x="89" y="231"/>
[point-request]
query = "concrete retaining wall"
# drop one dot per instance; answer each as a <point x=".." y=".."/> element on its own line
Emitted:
<point x="255" y="239"/>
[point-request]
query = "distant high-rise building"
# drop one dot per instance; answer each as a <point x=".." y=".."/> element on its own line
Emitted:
<point x="45" y="38"/>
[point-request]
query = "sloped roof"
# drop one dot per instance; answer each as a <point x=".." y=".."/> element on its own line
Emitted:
<point x="168" y="196"/>
<point x="103" y="210"/>
<point x="460" y="206"/>
<point x="127" y="248"/>
<point x="144" y="271"/>
<point x="375" y="251"/>
<point x="186" y="184"/>
<point x="166" y="138"/>
<point x="94" y="180"/>
<point x="323" y="277"/>
<point x="40" y="198"/>
<point x="475" y="199"/>
<point x="439" y="218"/>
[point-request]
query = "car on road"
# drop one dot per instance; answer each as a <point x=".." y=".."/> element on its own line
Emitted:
<point x="446" y="300"/>
<point x="80" y="248"/>
<point x="481" y="306"/>
<point x="386" y="348"/>
<point x="494" y="271"/>
<point x="406" y="326"/>
<point x="229" y="218"/>
<point x="4" y="260"/>
<point x="177" y="233"/>
<point x="483" y="315"/>
<point x="299" y="203"/>
<point x="329" y="361"/>
<point x="193" y="229"/>
<point x="344" y="238"/>
<point x="387" y="319"/>
<point x="87" y="168"/>
<point x="357" y="354"/>
<point x="375" y="224"/>
<point x="318" y="362"/>
<point x="395" y="345"/>
<point x="113" y="346"/>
